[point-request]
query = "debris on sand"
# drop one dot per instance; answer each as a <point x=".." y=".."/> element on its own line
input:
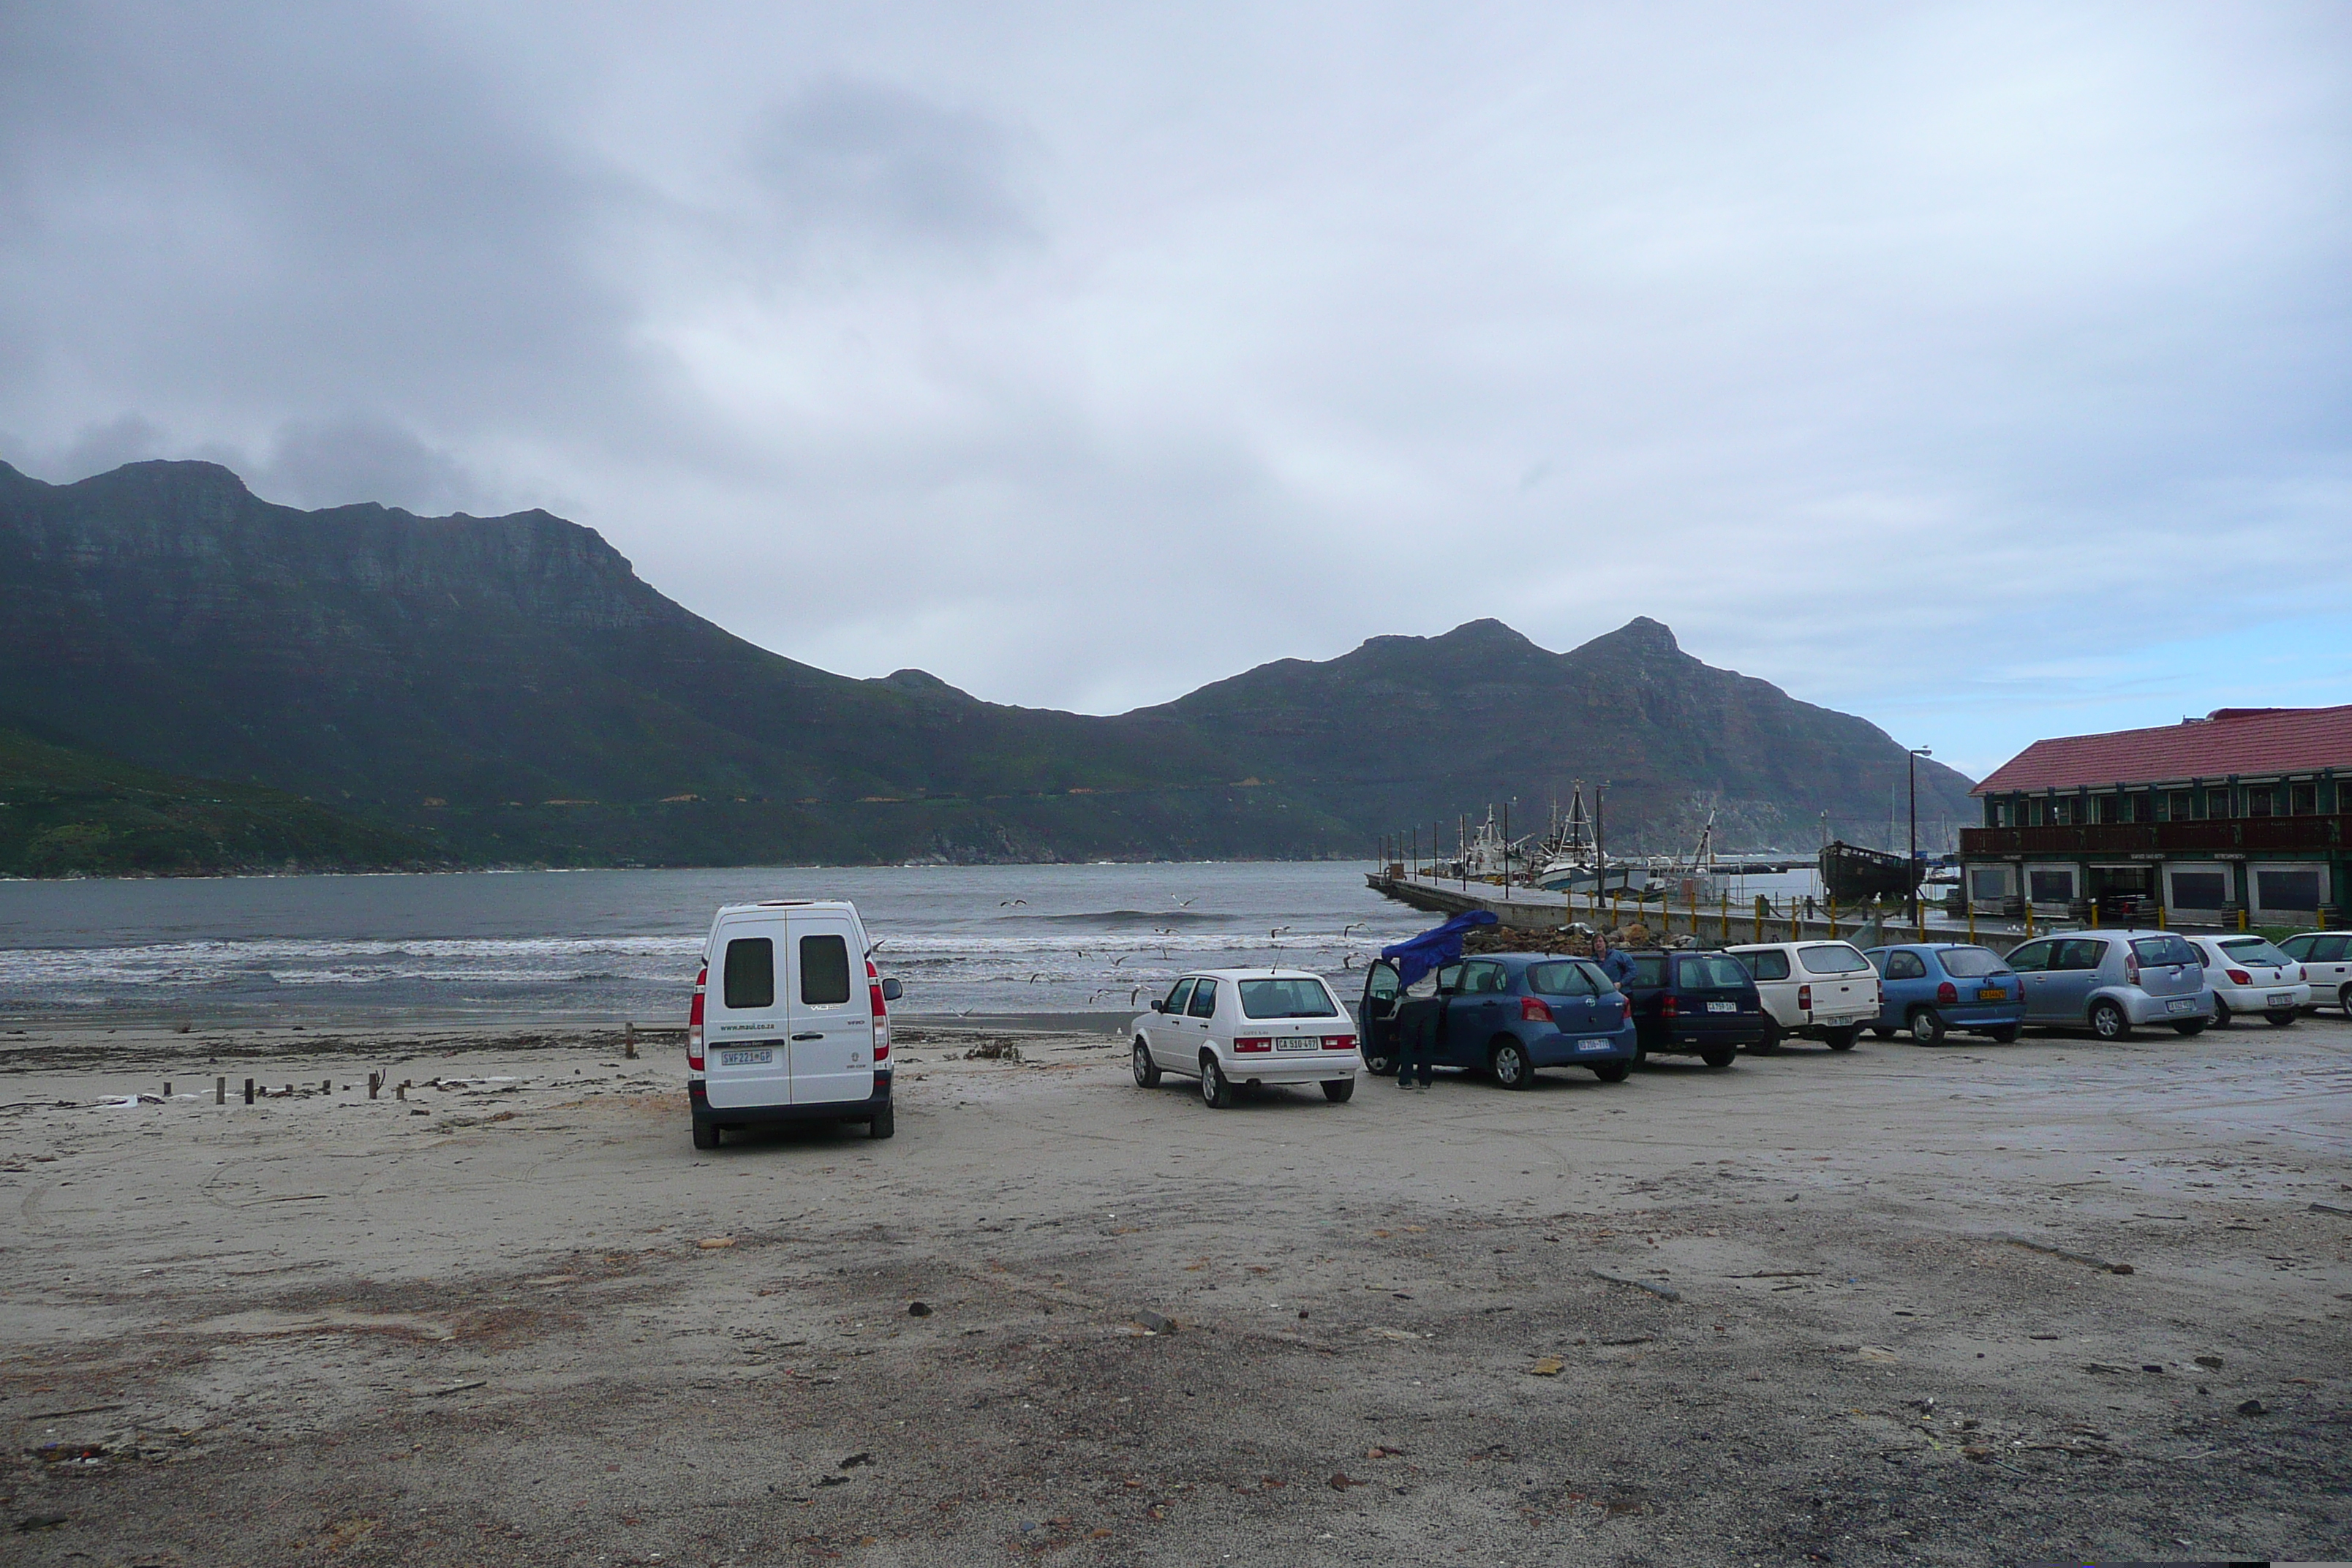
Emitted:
<point x="1662" y="1292"/>
<point x="2030" y="1245"/>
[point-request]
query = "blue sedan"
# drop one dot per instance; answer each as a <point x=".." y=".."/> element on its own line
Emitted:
<point x="1505" y="1015"/>
<point x="1932" y="988"/>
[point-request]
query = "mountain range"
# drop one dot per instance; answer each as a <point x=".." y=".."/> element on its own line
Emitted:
<point x="508" y="690"/>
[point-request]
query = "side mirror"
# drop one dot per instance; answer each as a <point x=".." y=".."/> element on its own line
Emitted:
<point x="1159" y="1005"/>
<point x="892" y="990"/>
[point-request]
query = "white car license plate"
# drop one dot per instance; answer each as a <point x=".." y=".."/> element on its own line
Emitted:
<point x="1304" y="1042"/>
<point x="765" y="1056"/>
<point x="2279" y="999"/>
<point x="1592" y="1044"/>
<point x="1723" y="1007"/>
<point x="2180" y="1005"/>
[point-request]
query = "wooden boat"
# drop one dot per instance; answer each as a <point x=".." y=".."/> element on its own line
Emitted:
<point x="1851" y="874"/>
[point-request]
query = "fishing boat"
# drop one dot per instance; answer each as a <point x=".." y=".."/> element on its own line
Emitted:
<point x="1853" y="875"/>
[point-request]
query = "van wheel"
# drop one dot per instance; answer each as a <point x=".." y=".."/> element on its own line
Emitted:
<point x="2281" y="1018"/>
<point x="1339" y="1090"/>
<point x="2107" y="1021"/>
<point x="1215" y="1089"/>
<point x="1509" y="1062"/>
<point x="1840" y="1039"/>
<point x="1613" y="1072"/>
<point x="706" y="1134"/>
<point x="1146" y="1071"/>
<point x="1926" y="1026"/>
<point x="2222" y="1017"/>
<point x="2005" y="1036"/>
<point x="1769" y="1041"/>
<point x="884" y="1122"/>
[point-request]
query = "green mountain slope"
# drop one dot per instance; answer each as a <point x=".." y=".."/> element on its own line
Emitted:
<point x="64" y="811"/>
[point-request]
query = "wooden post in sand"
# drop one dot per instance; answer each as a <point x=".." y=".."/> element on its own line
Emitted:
<point x="220" y="1092"/>
<point x="248" y="1091"/>
<point x="375" y="1082"/>
<point x="629" y="1041"/>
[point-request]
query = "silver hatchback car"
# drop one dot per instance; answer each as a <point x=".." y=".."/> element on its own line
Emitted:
<point x="2111" y="981"/>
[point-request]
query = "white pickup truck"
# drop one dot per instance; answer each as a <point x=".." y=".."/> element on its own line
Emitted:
<point x="1824" y="991"/>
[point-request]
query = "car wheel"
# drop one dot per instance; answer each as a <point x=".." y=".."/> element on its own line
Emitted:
<point x="2005" y="1036"/>
<point x="1509" y="1062"/>
<point x="1719" y="1055"/>
<point x="2221" y="1013"/>
<point x="1840" y="1039"/>
<point x="883" y="1123"/>
<point x="2344" y="1000"/>
<point x="1613" y="1072"/>
<point x="1339" y="1090"/>
<point x="2107" y="1021"/>
<point x="1926" y="1026"/>
<point x="1770" y="1041"/>
<point x="1379" y="1064"/>
<point x="1213" y="1087"/>
<point x="2280" y="1017"/>
<point x="2194" y="1026"/>
<point x="1146" y="1071"/>
<point x="706" y="1134"/>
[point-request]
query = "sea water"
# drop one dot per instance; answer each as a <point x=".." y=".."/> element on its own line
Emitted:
<point x="609" y="946"/>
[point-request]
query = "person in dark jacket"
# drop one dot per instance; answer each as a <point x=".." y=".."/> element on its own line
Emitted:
<point x="1613" y="964"/>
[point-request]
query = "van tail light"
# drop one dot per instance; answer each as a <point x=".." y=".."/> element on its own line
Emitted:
<point x="1666" y="1005"/>
<point x="693" y="1021"/>
<point x="881" y="1014"/>
<point x="1338" y="1042"/>
<point x="1947" y="993"/>
<point x="2240" y="977"/>
<point x="1534" y="1010"/>
<point x="2131" y="969"/>
<point x="1254" y="1043"/>
<point x="1804" y="998"/>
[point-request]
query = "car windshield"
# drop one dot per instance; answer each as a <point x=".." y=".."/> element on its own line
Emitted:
<point x="2253" y="950"/>
<point x="1971" y="962"/>
<point x="1299" y="997"/>
<point x="1832" y="957"/>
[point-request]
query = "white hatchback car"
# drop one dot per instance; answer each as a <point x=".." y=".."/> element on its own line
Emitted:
<point x="2326" y="960"/>
<point x="2249" y="976"/>
<point x="1824" y="990"/>
<point x="1229" y="1026"/>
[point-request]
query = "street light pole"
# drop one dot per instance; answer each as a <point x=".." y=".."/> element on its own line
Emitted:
<point x="1912" y="760"/>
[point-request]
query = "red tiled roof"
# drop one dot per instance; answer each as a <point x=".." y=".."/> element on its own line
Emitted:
<point x="2253" y="742"/>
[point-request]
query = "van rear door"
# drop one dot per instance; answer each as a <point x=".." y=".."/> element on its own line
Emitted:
<point x="830" y="1013"/>
<point x="746" y="1059"/>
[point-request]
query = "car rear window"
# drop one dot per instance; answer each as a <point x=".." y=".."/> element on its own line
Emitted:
<point x="1832" y="957"/>
<point x="1971" y="962"/>
<point x="1649" y="969"/>
<point x="1766" y="963"/>
<point x="2164" y="950"/>
<point x="2253" y="950"/>
<point x="1296" y="997"/>
<point x="1565" y="979"/>
<point x="1713" y="971"/>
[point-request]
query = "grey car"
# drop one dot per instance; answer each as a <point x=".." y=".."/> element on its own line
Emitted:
<point x="2110" y="981"/>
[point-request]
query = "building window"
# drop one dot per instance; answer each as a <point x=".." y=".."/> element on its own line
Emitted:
<point x="2260" y="798"/>
<point x="2303" y="799"/>
<point x="2184" y="804"/>
<point x="2051" y="886"/>
<point x="2061" y="813"/>
<point x="2200" y="889"/>
<point x="1988" y="884"/>
<point x="2036" y="812"/>
<point x="2285" y="892"/>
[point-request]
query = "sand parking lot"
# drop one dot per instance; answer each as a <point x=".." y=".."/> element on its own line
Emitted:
<point x="327" y="1328"/>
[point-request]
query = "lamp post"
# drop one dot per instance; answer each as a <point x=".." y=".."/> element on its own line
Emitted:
<point x="1911" y="759"/>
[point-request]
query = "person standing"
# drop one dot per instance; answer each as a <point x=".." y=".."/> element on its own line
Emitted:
<point x="1613" y="964"/>
<point x="1412" y="1043"/>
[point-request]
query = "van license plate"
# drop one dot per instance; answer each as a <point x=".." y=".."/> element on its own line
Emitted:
<point x="2279" y="999"/>
<point x="764" y="1056"/>
<point x="1992" y="993"/>
<point x="2180" y="1005"/>
<point x="1723" y="1007"/>
<point x="1305" y="1043"/>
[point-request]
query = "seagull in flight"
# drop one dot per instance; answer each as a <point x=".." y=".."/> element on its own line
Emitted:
<point x="1276" y="931"/>
<point x="1035" y="978"/>
<point x="1188" y="903"/>
<point x="1010" y="903"/>
<point x="1358" y="926"/>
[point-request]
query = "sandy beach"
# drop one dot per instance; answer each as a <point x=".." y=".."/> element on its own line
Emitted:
<point x="1861" y="1308"/>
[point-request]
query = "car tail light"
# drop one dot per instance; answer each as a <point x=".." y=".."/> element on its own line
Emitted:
<point x="2131" y="969"/>
<point x="693" y="1021"/>
<point x="1666" y="1005"/>
<point x="2240" y="977"/>
<point x="1338" y="1042"/>
<point x="1624" y="1009"/>
<point x="1254" y="1043"/>
<point x="1534" y="1010"/>
<point x="2301" y="972"/>
<point x="881" y="1014"/>
<point x="1947" y="993"/>
<point x="1804" y="998"/>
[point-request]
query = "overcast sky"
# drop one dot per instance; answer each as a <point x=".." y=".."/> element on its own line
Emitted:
<point x="1979" y="369"/>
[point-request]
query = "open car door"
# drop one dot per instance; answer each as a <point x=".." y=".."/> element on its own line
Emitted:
<point x="1376" y="1016"/>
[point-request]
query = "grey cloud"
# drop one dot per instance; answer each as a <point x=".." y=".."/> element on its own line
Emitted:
<point x="336" y="462"/>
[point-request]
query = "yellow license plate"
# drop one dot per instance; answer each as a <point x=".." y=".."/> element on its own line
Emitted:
<point x="1993" y="995"/>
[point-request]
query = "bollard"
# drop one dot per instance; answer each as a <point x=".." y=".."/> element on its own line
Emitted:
<point x="220" y="1092"/>
<point x="402" y="1092"/>
<point x="328" y="1087"/>
<point x="375" y="1082"/>
<point x="1971" y="905"/>
<point x="248" y="1091"/>
<point x="167" y="1089"/>
<point x="629" y="1041"/>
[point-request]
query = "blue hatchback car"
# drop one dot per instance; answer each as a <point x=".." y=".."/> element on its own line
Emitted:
<point x="1504" y="1013"/>
<point x="1932" y="988"/>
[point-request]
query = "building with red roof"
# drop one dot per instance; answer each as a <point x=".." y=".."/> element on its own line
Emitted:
<point x="2238" y="816"/>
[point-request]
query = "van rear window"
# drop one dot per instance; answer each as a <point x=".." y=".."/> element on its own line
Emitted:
<point x="750" y="978"/>
<point x="825" y="971"/>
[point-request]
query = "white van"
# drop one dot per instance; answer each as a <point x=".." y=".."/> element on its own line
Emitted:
<point x="1824" y="990"/>
<point x="785" y="1025"/>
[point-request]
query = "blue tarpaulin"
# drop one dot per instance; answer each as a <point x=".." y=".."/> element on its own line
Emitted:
<point x="1417" y="955"/>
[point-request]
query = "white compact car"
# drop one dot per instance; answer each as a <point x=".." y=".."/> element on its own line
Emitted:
<point x="796" y="1027"/>
<point x="2326" y="960"/>
<point x="1824" y="991"/>
<point x="2249" y="976"/>
<point x="1231" y="1027"/>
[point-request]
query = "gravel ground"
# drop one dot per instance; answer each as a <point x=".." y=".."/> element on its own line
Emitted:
<point x="1767" y="1315"/>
